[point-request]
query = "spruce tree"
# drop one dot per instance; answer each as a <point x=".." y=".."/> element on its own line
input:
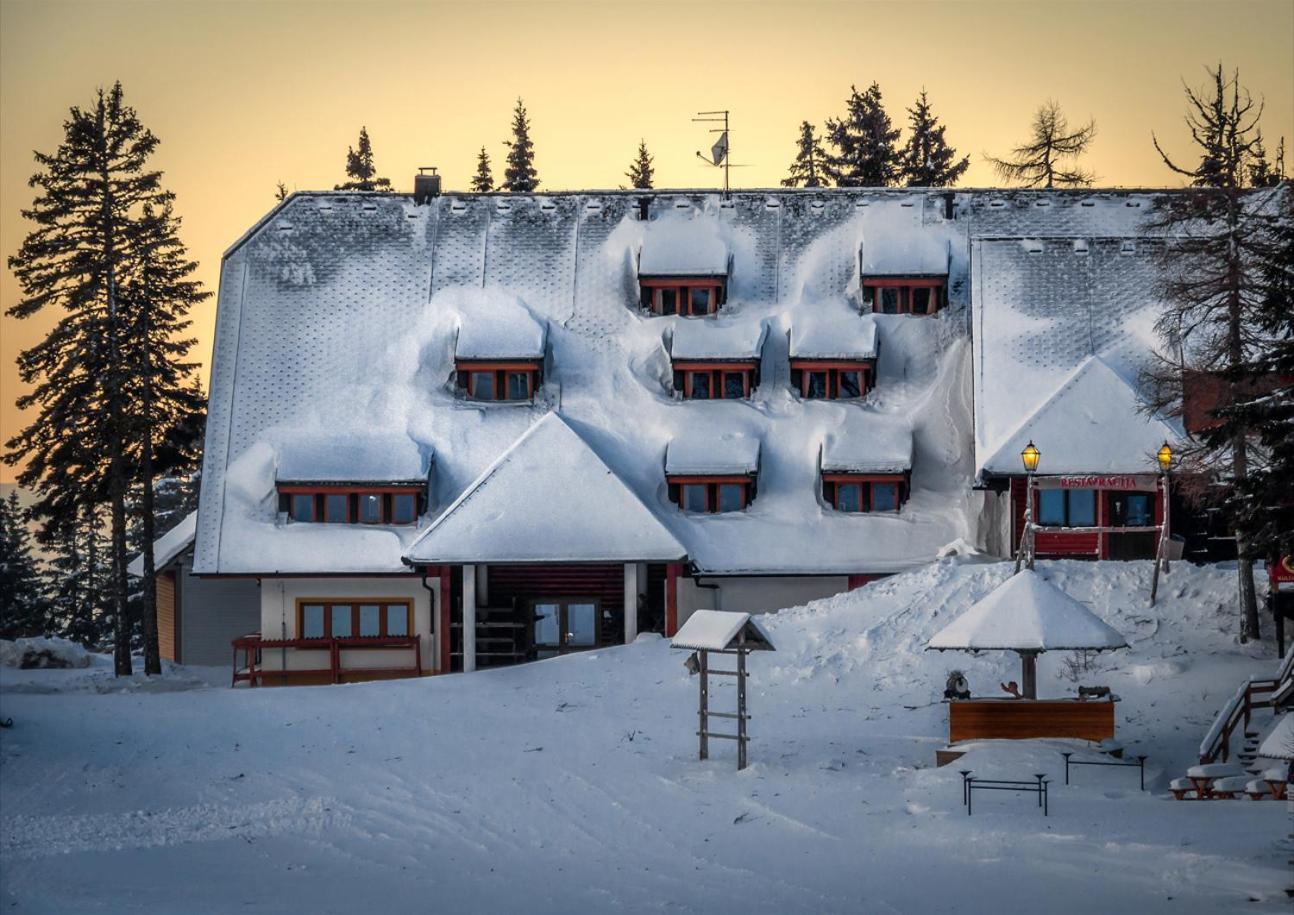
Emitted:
<point x="1040" y="161"/>
<point x="810" y="166"/>
<point x="927" y="160"/>
<point x="1212" y="267"/>
<point x="80" y="578"/>
<point x="520" y="177"/>
<point x="88" y="234"/>
<point x="640" y="169"/>
<point x="24" y="607"/>
<point x="360" y="169"/>
<point x="865" y="154"/>
<point x="483" y="180"/>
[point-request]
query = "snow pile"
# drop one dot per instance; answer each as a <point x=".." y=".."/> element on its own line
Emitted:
<point x="835" y="333"/>
<point x="169" y="545"/>
<point x="35" y="653"/>
<point x="868" y="445"/>
<point x="497" y="325"/>
<point x="684" y="246"/>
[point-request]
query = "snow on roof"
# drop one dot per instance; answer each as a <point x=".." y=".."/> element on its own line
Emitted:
<point x="904" y="252"/>
<point x="868" y="443"/>
<point x="312" y="457"/>
<point x="1092" y="423"/>
<point x="839" y="334"/>
<point x="709" y="338"/>
<point x="497" y="325"/>
<point x="716" y="630"/>
<point x="1279" y="744"/>
<point x="168" y="546"/>
<point x="683" y="246"/>
<point x="548" y="498"/>
<point x="1042" y="307"/>
<point x="1027" y="613"/>
<point x="703" y="452"/>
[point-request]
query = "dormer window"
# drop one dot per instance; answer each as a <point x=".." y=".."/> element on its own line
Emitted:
<point x="715" y="381"/>
<point x="847" y="492"/>
<point x="709" y="474"/>
<point x="716" y="360"/>
<point x="492" y="381"/>
<point x="711" y="494"/>
<point x="903" y="295"/>
<point x="352" y="504"/>
<point x="691" y="297"/>
<point x="683" y="267"/>
<point x="833" y="355"/>
<point x="835" y="380"/>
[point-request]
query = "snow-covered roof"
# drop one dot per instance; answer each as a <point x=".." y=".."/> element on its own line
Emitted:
<point x="1279" y="744"/>
<point x="1092" y="423"/>
<point x="835" y="334"/>
<point x="868" y="443"/>
<point x="168" y="546"/>
<point x="716" y="630"/>
<point x="497" y="325"/>
<point x="548" y="498"/>
<point x="906" y="251"/>
<point x="312" y="457"/>
<point x="683" y="246"/>
<point x="1027" y="613"/>
<point x="703" y="452"/>
<point x="722" y="339"/>
<point x="1042" y="308"/>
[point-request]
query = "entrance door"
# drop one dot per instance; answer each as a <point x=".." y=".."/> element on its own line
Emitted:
<point x="1132" y="509"/>
<point x="563" y="625"/>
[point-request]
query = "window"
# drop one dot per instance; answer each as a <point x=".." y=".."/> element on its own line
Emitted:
<point x="831" y="380"/>
<point x="817" y="385"/>
<point x="687" y="297"/>
<point x="481" y="386"/>
<point x="303" y="507"/>
<point x="698" y="385"/>
<point x="710" y="494"/>
<point x="666" y="301"/>
<point x="1067" y="507"/>
<point x="700" y="300"/>
<point x="734" y="385"/>
<point x="851" y="384"/>
<point x="404" y="508"/>
<point x="902" y="296"/>
<point x="518" y="386"/>
<point x="371" y="508"/>
<point x="854" y="493"/>
<point x="499" y="381"/>
<point x="345" y="619"/>
<point x="565" y="625"/>
<point x="714" y="381"/>
<point x="337" y="505"/>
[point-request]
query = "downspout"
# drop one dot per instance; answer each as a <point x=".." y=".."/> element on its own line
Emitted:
<point x="434" y="657"/>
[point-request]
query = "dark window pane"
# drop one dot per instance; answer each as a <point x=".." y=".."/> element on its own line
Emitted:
<point x="666" y="301"/>
<point x="481" y="385"/>
<point x="518" y="385"/>
<point x="849" y="497"/>
<point x="312" y="621"/>
<point x="694" y="497"/>
<point x="885" y="497"/>
<point x="700" y="296"/>
<point x="370" y="620"/>
<point x="851" y="384"/>
<point x="817" y="385"/>
<point x="548" y="624"/>
<point x="303" y="507"/>
<point x="335" y="507"/>
<point x="1051" y="507"/>
<point x="1082" y="507"/>
<point x="404" y="508"/>
<point x="732" y="497"/>
<point x="341" y="627"/>
<point x="889" y="301"/>
<point x="700" y="385"/>
<point x="370" y="508"/>
<point x="921" y="301"/>
<point x="734" y="385"/>
<point x="1139" y="514"/>
<point x="397" y="619"/>
<point x="581" y="624"/>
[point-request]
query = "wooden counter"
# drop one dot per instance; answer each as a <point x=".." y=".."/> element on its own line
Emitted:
<point x="1022" y="719"/>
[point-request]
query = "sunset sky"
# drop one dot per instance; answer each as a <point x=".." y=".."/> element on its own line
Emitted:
<point x="243" y="95"/>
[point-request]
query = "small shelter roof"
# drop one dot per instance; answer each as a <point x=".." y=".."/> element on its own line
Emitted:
<point x="1027" y="613"/>
<point x="716" y="630"/>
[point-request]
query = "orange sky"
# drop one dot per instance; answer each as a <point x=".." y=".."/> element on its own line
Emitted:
<point x="244" y="94"/>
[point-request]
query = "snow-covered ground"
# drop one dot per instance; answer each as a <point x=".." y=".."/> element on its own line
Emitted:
<point x="572" y="784"/>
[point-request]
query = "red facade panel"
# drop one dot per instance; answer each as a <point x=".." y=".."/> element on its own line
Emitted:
<point x="604" y="581"/>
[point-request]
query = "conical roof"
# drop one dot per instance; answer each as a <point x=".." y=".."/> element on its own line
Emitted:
<point x="1279" y="744"/>
<point x="1027" y="613"/>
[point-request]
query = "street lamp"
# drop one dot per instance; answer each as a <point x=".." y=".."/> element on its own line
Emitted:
<point x="1165" y="458"/>
<point x="1030" y="457"/>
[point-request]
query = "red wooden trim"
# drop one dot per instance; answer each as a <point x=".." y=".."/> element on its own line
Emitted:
<point x="342" y="488"/>
<point x="671" y="598"/>
<point x="892" y="282"/>
<point x="498" y="365"/>
<point x="727" y="478"/>
<point x="864" y="478"/>
<point x="739" y="364"/>
<point x="857" y="581"/>
<point x="823" y="365"/>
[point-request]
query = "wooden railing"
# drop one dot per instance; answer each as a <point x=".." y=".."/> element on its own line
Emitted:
<point x="254" y="673"/>
<point x="1255" y="693"/>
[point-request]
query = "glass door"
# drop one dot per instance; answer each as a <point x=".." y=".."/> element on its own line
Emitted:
<point x="1132" y="509"/>
<point x="563" y="625"/>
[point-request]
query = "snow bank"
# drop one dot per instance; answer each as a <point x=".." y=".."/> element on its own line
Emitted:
<point x="33" y="653"/>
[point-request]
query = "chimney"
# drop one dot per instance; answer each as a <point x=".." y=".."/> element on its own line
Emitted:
<point x="644" y="205"/>
<point x="425" y="186"/>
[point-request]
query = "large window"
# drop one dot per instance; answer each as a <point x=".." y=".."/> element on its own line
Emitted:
<point x="857" y="493"/>
<point x="1067" y="507"/>
<point x="687" y="297"/>
<point x="349" y="619"/>
<point x="344" y="505"/>
<point x="902" y="296"/>
<point x="710" y="494"/>
<point x="493" y="382"/>
<point x="831" y="380"/>
<point x="714" y="381"/>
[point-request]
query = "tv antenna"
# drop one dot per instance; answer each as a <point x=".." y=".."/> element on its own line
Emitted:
<point x="720" y="151"/>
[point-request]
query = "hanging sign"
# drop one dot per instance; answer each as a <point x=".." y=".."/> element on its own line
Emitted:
<point x="1281" y="573"/>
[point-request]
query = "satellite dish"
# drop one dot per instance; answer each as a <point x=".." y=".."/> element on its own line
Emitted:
<point x="719" y="151"/>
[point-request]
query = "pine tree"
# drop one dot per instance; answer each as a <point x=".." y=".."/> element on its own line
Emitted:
<point x="483" y="180"/>
<point x="810" y="166"/>
<point x="24" y="606"/>
<point x="927" y="160"/>
<point x="80" y="577"/>
<point x="1039" y="162"/>
<point x="640" y="169"/>
<point x="865" y="154"/>
<point x="1212" y="268"/>
<point x="360" y="168"/>
<point x="520" y="177"/>
<point x="86" y="242"/>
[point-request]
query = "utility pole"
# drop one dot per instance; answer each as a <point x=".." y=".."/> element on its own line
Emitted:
<point x="720" y="152"/>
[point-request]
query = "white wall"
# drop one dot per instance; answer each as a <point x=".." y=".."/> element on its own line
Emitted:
<point x="754" y="594"/>
<point x="279" y="598"/>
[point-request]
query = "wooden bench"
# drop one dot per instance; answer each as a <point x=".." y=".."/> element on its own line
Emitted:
<point x="1027" y="719"/>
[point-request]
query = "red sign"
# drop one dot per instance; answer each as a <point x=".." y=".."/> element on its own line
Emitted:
<point x="1096" y="481"/>
<point x="1282" y="572"/>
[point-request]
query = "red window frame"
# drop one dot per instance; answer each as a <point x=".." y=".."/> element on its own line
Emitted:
<point x="832" y="481"/>
<point x="905" y="286"/>
<point x="834" y="368"/>
<point x="683" y="294"/>
<point x="500" y="370"/>
<point x="319" y="502"/>
<point x="711" y="484"/>
<point x="716" y="372"/>
<point x="385" y="603"/>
